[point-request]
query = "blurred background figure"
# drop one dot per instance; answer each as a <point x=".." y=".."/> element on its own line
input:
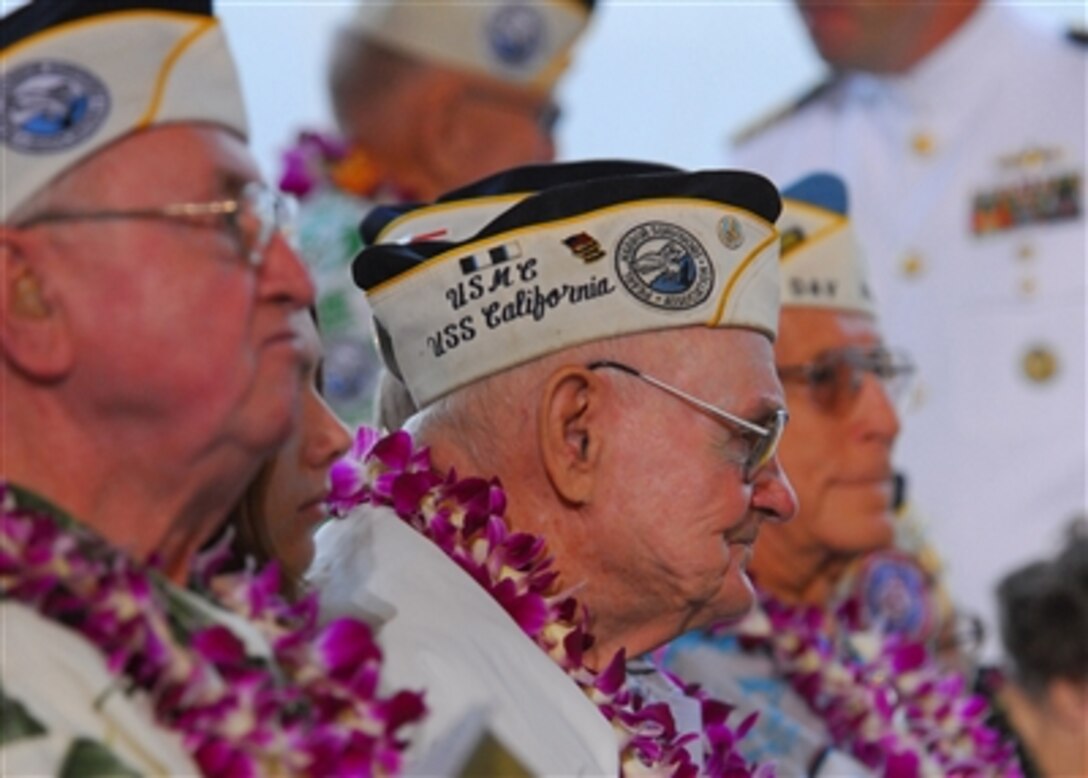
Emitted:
<point x="427" y="98"/>
<point x="1043" y="610"/>
<point x="832" y="583"/>
<point x="960" y="129"/>
<point x="285" y="503"/>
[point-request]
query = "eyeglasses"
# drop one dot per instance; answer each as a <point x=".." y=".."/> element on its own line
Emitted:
<point x="762" y="447"/>
<point x="835" y="377"/>
<point x="252" y="219"/>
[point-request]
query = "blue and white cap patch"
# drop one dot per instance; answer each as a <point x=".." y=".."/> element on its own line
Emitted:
<point x="65" y="92"/>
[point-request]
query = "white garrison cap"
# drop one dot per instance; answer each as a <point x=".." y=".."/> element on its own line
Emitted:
<point x="602" y="251"/>
<point x="77" y="75"/>
<point x="525" y="42"/>
<point x="822" y="264"/>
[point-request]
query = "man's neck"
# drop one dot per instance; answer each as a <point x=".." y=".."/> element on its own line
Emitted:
<point x="122" y="490"/>
<point x="797" y="575"/>
<point x="950" y="19"/>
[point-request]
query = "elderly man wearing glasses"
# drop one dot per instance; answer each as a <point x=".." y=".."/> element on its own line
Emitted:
<point x="839" y="658"/>
<point x="596" y="338"/>
<point x="149" y="364"/>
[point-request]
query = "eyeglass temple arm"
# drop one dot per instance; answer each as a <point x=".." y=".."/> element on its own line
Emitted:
<point x="717" y="412"/>
<point x="167" y="211"/>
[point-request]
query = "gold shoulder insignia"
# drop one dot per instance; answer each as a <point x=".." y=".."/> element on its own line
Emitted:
<point x="765" y="121"/>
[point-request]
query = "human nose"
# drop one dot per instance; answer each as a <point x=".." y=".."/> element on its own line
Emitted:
<point x="773" y="494"/>
<point x="283" y="276"/>
<point x="879" y="417"/>
<point x="330" y="439"/>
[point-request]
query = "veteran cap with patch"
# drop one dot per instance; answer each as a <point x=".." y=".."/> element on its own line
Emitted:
<point x="822" y="264"/>
<point x="77" y="75"/>
<point x="589" y="257"/>
<point x="525" y="42"/>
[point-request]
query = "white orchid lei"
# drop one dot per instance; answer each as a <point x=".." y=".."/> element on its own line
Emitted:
<point x="882" y="696"/>
<point x="313" y="711"/>
<point x="465" y="519"/>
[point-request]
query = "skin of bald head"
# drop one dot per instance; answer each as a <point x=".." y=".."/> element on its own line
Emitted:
<point x="881" y="36"/>
<point x="430" y="127"/>
<point x="839" y="463"/>
<point x="639" y="495"/>
<point x="148" y="368"/>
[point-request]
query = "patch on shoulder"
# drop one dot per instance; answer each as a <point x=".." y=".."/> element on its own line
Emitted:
<point x="765" y="121"/>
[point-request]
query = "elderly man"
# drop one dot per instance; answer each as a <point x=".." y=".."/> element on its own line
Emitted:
<point x="602" y="348"/>
<point x="961" y="129"/>
<point x="149" y="364"/>
<point x="428" y="97"/>
<point x="830" y="582"/>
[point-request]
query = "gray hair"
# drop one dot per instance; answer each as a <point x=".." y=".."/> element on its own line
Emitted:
<point x="362" y="74"/>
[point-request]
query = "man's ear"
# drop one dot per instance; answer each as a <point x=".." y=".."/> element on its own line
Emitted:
<point x="570" y="432"/>
<point x="443" y="140"/>
<point x="34" y="335"/>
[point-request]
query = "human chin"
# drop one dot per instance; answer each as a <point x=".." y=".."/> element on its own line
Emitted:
<point x="736" y="594"/>
<point x="858" y="521"/>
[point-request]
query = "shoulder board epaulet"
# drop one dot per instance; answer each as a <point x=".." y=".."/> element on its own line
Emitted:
<point x="1077" y="35"/>
<point x="767" y="120"/>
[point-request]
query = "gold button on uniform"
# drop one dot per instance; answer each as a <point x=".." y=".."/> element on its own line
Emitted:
<point x="1028" y="287"/>
<point x="912" y="265"/>
<point x="922" y="143"/>
<point x="1040" y="364"/>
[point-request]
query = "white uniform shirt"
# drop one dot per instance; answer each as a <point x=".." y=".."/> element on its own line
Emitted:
<point x="440" y="632"/>
<point x="993" y="437"/>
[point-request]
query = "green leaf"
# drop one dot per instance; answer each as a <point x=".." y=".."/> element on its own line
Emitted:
<point x="91" y="759"/>
<point x="16" y="723"/>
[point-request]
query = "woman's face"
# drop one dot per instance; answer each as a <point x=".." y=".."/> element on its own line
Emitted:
<point x="298" y="481"/>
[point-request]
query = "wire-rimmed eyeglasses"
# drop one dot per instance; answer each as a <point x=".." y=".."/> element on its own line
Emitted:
<point x="763" y="441"/>
<point x="252" y="219"/>
<point x="835" y="376"/>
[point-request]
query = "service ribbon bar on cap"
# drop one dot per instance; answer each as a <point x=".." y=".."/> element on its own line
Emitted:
<point x="525" y="42"/>
<point x="77" y="75"/>
<point x="460" y="214"/>
<point x="822" y="263"/>
<point x="652" y="263"/>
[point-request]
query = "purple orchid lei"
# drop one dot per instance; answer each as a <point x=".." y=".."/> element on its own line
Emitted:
<point x="321" y="160"/>
<point x="465" y="519"/>
<point x="314" y="711"/>
<point x="882" y="696"/>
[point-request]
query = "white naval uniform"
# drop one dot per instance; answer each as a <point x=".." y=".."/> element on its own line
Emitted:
<point x="993" y="439"/>
<point x="442" y="633"/>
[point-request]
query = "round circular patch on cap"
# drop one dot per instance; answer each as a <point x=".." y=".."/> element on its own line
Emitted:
<point x="665" y="266"/>
<point x="50" y="106"/>
<point x="516" y="33"/>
